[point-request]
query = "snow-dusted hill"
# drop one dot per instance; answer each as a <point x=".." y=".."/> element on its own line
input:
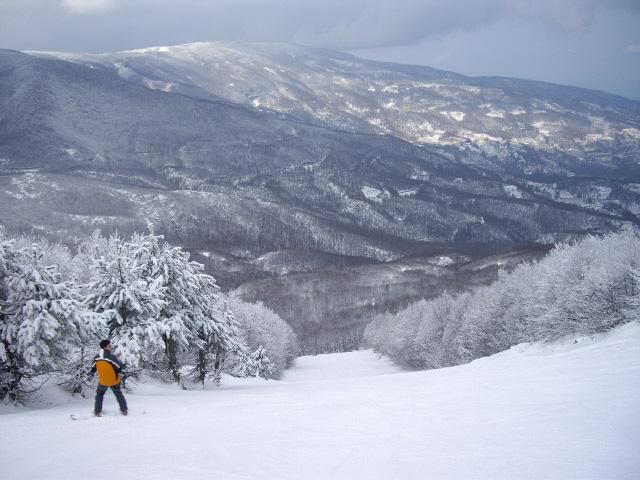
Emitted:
<point x="502" y="117"/>
<point x="270" y="188"/>
<point x="192" y="167"/>
<point x="563" y="411"/>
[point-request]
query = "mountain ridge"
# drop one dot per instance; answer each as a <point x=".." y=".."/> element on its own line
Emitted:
<point x="396" y="65"/>
<point x="82" y="147"/>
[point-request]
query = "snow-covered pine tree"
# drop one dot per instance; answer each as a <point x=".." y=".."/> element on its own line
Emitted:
<point x="261" y="363"/>
<point x="44" y="321"/>
<point x="10" y="361"/>
<point x="159" y="303"/>
<point x="127" y="291"/>
<point x="186" y="305"/>
<point x="217" y="330"/>
<point x="252" y="364"/>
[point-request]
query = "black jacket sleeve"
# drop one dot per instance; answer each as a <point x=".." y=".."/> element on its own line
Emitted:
<point x="120" y="366"/>
<point x="93" y="366"/>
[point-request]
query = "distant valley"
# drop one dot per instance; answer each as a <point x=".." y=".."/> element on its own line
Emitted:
<point x="300" y="175"/>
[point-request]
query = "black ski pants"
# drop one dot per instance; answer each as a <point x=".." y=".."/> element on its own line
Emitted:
<point x="117" y="391"/>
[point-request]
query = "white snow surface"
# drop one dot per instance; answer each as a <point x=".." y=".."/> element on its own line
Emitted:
<point x="567" y="410"/>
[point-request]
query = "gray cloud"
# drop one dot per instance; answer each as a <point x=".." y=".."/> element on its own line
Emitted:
<point x="347" y="24"/>
<point x="88" y="6"/>
<point x="557" y="27"/>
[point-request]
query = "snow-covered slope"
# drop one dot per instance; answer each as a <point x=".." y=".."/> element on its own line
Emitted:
<point x="563" y="411"/>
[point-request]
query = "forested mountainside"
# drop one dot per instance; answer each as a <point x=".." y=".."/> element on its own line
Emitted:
<point x="588" y="287"/>
<point x="289" y="167"/>
<point x="516" y="125"/>
<point x="329" y="307"/>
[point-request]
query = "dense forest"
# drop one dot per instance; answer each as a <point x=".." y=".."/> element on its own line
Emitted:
<point x="586" y="287"/>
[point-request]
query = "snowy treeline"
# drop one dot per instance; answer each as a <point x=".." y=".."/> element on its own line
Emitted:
<point x="163" y="313"/>
<point x="587" y="287"/>
<point x="261" y="327"/>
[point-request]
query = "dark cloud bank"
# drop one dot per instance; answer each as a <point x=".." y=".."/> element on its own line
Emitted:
<point x="592" y="43"/>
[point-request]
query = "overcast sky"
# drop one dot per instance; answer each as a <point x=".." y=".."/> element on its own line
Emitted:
<point x="589" y="43"/>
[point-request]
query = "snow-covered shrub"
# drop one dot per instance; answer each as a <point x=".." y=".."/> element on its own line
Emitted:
<point x="261" y="327"/>
<point x="587" y="287"/>
<point x="261" y="365"/>
<point x="252" y="364"/>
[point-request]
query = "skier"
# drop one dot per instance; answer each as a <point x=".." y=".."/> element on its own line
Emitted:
<point x="109" y="368"/>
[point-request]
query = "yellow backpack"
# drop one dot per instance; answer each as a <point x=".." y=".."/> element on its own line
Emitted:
<point x="107" y="373"/>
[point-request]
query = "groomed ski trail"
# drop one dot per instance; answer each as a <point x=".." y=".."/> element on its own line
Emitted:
<point x="561" y="411"/>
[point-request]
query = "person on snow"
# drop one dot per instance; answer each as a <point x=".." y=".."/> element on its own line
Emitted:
<point x="109" y="368"/>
